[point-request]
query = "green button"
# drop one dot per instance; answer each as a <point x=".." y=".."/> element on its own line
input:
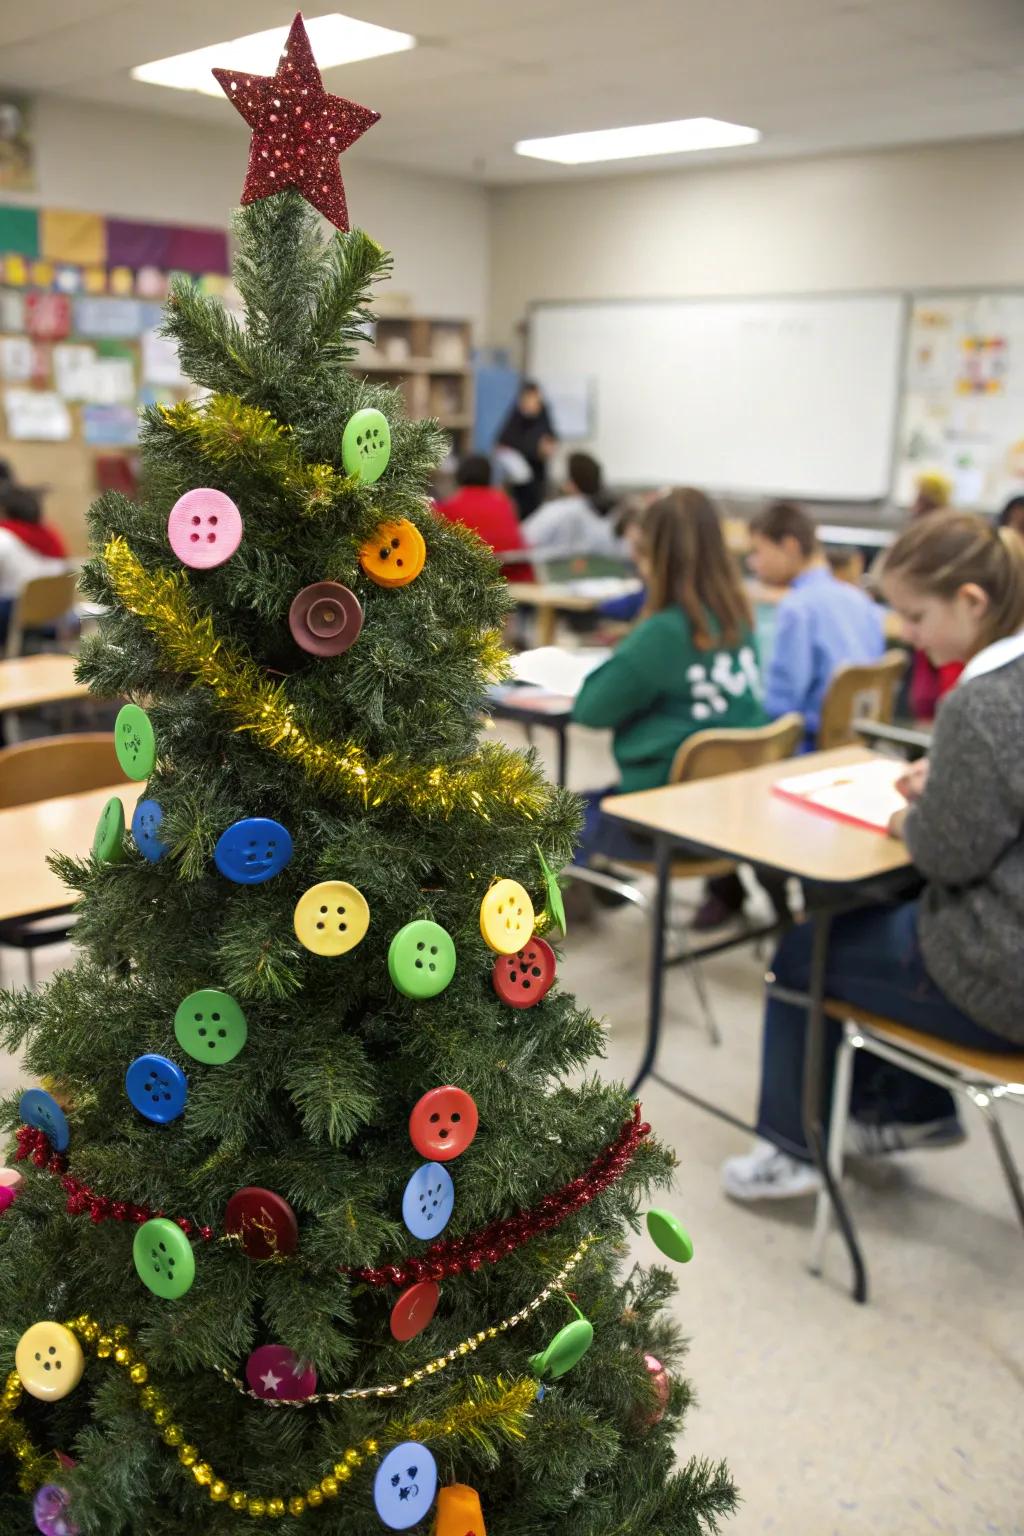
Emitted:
<point x="134" y="742"/>
<point x="108" y="839"/>
<point x="421" y="959"/>
<point x="366" y="445"/>
<point x="670" y="1236"/>
<point x="555" y="904"/>
<point x="164" y="1258"/>
<point x="566" y="1349"/>
<point x="210" y="1026"/>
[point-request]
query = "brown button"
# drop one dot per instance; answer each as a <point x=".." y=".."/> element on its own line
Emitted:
<point x="264" y="1222"/>
<point x="325" y="619"/>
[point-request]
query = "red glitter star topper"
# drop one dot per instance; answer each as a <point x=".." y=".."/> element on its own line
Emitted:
<point x="298" y="129"/>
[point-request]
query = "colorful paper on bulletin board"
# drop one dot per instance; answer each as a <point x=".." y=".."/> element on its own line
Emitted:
<point x="15" y="271"/>
<point x="94" y="280"/>
<point x="131" y="244"/>
<point x="48" y="316"/>
<point x="12" y="310"/>
<point x="15" y="359"/>
<point x="68" y="280"/>
<point x="19" y="231"/>
<point x="41" y="274"/>
<point x="160" y="360"/>
<point x="17" y="144"/>
<point x="68" y="236"/>
<point x="38" y="416"/>
<point x="112" y="426"/>
<point x="198" y="250"/>
<point x="108" y="317"/>
<point x="122" y="282"/>
<point x="158" y="394"/>
<point x="151" y="283"/>
<point x="72" y="370"/>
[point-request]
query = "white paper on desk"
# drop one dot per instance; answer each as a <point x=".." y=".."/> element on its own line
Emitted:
<point x="864" y="793"/>
<point x="72" y="370"/>
<point x="16" y="359"/>
<point x="36" y="415"/>
<point x="556" y="669"/>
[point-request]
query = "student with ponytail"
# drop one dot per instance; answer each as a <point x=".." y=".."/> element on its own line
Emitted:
<point x="949" y="963"/>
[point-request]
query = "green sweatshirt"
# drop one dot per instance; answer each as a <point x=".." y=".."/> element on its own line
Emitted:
<point x="659" y="688"/>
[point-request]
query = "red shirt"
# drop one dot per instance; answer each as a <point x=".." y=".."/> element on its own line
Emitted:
<point x="928" y="683"/>
<point x="489" y="513"/>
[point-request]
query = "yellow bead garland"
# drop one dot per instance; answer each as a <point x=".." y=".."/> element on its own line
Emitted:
<point x="493" y="778"/>
<point x="497" y="1403"/>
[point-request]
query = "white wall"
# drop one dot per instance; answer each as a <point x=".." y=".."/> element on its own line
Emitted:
<point x="144" y="166"/>
<point x="946" y="215"/>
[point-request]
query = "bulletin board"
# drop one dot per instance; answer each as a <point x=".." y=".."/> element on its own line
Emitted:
<point x="81" y="303"/>
<point x="962" y="409"/>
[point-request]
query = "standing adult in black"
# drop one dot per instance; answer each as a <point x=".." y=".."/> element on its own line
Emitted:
<point x="529" y="431"/>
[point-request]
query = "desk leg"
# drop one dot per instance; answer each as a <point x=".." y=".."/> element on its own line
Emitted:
<point x="547" y="624"/>
<point x="561" y="736"/>
<point x="814" y="1097"/>
<point x="656" y="983"/>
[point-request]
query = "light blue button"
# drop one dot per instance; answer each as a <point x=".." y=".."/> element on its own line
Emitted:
<point x="146" y="822"/>
<point x="428" y="1201"/>
<point x="41" y="1109"/>
<point x="157" y="1087"/>
<point x="253" y="850"/>
<point x="405" y="1486"/>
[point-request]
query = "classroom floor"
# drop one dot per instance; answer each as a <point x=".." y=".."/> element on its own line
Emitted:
<point x="901" y="1418"/>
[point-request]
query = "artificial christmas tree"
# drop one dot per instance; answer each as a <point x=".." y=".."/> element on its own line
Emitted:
<point x="307" y="1225"/>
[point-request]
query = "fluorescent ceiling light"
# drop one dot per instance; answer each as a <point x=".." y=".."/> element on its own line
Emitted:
<point x="336" y="39"/>
<point x="688" y="134"/>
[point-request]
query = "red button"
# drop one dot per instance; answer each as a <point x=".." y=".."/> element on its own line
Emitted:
<point x="442" y="1124"/>
<point x="414" y="1309"/>
<point x="522" y="980"/>
<point x="265" y="1223"/>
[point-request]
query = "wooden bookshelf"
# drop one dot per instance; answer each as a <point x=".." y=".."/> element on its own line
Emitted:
<point x="430" y="361"/>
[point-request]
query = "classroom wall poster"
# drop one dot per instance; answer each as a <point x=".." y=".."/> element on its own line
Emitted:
<point x="35" y="415"/>
<point x="112" y="426"/>
<point x="17" y="145"/>
<point x="963" y="402"/>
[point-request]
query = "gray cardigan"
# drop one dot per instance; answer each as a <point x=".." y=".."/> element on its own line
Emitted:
<point x="966" y="836"/>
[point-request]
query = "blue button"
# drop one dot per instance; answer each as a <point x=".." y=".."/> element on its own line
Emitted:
<point x="146" y="822"/>
<point x="428" y="1201"/>
<point x="157" y="1087"/>
<point x="41" y="1109"/>
<point x="252" y="850"/>
<point x="405" y="1486"/>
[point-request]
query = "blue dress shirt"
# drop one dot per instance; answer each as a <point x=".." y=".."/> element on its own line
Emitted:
<point x="822" y="624"/>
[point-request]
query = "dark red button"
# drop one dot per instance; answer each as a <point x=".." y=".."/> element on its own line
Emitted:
<point x="325" y="619"/>
<point x="414" y="1309"/>
<point x="523" y="979"/>
<point x="265" y="1223"/>
<point x="443" y="1123"/>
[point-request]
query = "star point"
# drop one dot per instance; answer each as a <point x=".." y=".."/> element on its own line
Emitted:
<point x="298" y="128"/>
<point x="270" y="1381"/>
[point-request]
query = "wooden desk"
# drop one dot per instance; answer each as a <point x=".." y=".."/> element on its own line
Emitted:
<point x="28" y="887"/>
<point x="30" y="680"/>
<point x="550" y="598"/>
<point x="737" y="816"/>
<point x="535" y="706"/>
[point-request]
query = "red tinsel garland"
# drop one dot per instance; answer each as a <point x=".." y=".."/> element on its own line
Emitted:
<point x="458" y="1255"/>
<point x="449" y="1256"/>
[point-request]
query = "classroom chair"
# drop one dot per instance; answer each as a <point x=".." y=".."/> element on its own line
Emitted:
<point x="859" y="692"/>
<point x="987" y="1079"/>
<point x="42" y="603"/>
<point x="704" y="755"/>
<point x="43" y="770"/>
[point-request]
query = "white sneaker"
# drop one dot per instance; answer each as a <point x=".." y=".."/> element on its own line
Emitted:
<point x="768" y="1174"/>
<point x="869" y="1138"/>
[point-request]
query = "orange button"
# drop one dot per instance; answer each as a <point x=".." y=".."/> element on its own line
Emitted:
<point x="394" y="555"/>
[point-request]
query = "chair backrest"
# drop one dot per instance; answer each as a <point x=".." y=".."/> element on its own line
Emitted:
<point x="706" y="754"/>
<point x="858" y="692"/>
<point x="56" y="765"/>
<point x="41" y="601"/>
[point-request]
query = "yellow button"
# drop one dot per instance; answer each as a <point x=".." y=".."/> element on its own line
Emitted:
<point x="506" y="917"/>
<point x="331" y="917"/>
<point x="49" y="1361"/>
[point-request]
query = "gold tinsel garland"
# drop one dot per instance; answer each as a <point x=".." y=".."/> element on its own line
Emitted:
<point x="225" y="430"/>
<point x="496" y="1405"/>
<point x="441" y="1363"/>
<point x="492" y="778"/>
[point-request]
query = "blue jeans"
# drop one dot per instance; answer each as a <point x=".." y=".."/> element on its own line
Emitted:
<point x="875" y="962"/>
<point x="604" y="835"/>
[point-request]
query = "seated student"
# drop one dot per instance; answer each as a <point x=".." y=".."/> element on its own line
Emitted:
<point x="947" y="964"/>
<point x="689" y="665"/>
<point x="929" y="684"/>
<point x="821" y="624"/>
<point x="575" y="522"/>
<point x="487" y="510"/>
<point x="1012" y="515"/>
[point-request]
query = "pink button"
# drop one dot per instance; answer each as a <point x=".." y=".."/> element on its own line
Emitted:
<point x="6" y="1196"/>
<point x="273" y="1371"/>
<point x="205" y="528"/>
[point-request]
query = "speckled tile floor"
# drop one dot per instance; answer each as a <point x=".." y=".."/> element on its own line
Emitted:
<point x="901" y="1418"/>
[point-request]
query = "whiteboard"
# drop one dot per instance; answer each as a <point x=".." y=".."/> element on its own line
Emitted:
<point x="963" y="398"/>
<point x="792" y="397"/>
